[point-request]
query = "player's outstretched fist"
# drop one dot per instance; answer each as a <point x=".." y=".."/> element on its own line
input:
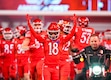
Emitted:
<point x="74" y="17"/>
<point x="28" y="17"/>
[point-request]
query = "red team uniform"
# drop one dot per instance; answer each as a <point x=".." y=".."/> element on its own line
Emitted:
<point x="107" y="44"/>
<point x="36" y="55"/>
<point x="1" y="60"/>
<point x="65" y="27"/>
<point x="106" y="41"/>
<point x="36" y="50"/>
<point x="53" y="44"/>
<point x="22" y="63"/>
<point x="82" y="35"/>
<point x="7" y="48"/>
<point x="65" y="62"/>
<point x="81" y="40"/>
<point x="7" y="51"/>
<point x="22" y="58"/>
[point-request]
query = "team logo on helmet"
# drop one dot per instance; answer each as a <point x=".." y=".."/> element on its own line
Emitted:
<point x="53" y="31"/>
<point x="83" y="21"/>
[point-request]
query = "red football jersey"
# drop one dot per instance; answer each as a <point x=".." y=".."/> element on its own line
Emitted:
<point x="65" y="49"/>
<point x="38" y="50"/>
<point x="82" y="36"/>
<point x="52" y="48"/>
<point x="106" y="43"/>
<point x="18" y="44"/>
<point x="20" y="54"/>
<point x="8" y="49"/>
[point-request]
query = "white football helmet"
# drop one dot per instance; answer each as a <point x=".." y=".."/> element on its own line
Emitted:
<point x="20" y="30"/>
<point x="53" y="31"/>
<point x="83" y="21"/>
<point x="37" y="25"/>
<point x="66" y="27"/>
<point x="107" y="34"/>
<point x="7" y="34"/>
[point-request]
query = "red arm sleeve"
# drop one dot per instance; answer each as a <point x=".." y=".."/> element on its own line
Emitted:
<point x="39" y="38"/>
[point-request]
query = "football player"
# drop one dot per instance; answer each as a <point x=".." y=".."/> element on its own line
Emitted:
<point x="36" y="49"/>
<point x="82" y="35"/>
<point x="20" y="55"/>
<point x="64" y="57"/>
<point x="53" y="43"/>
<point x="7" y="51"/>
<point x="107" y="39"/>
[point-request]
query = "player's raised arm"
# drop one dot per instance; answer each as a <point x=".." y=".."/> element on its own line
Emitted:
<point x="32" y="30"/>
<point x="71" y="34"/>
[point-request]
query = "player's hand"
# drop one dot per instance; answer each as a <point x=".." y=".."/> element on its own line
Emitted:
<point x="74" y="18"/>
<point x="28" y="17"/>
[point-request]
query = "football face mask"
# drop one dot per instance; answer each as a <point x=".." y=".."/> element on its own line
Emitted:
<point x="7" y="34"/>
<point x="53" y="31"/>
